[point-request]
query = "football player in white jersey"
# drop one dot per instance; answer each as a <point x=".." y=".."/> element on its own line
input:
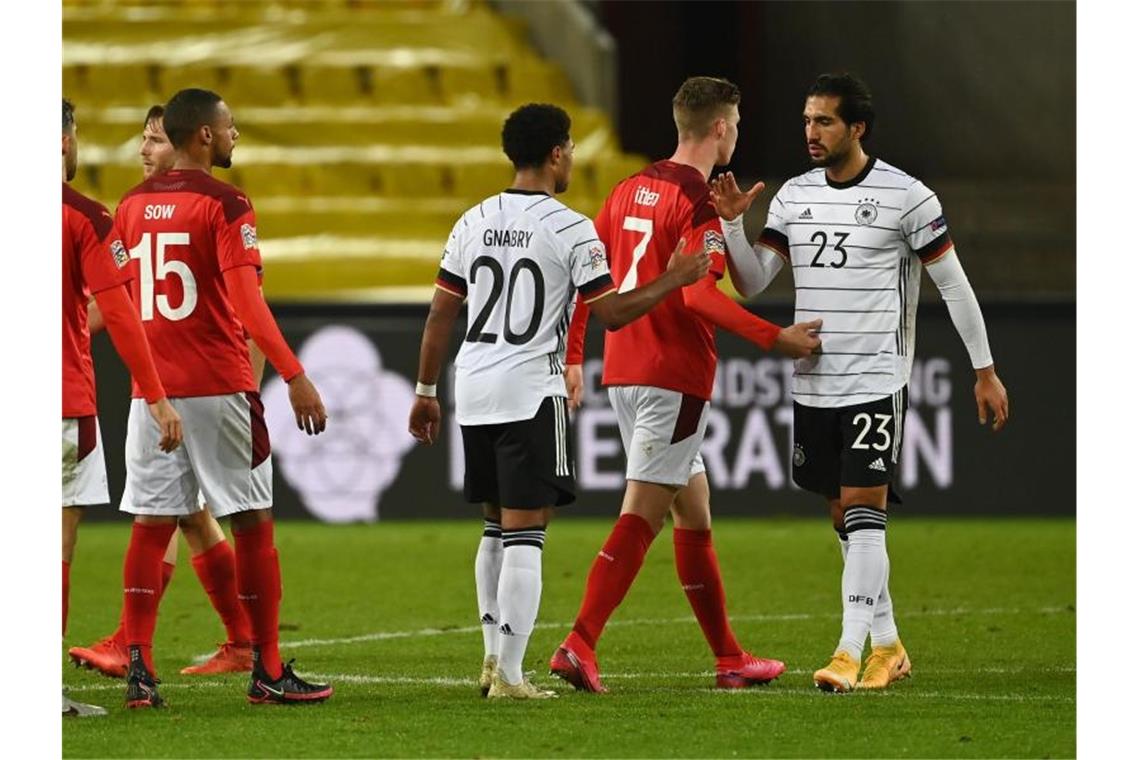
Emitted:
<point x="518" y="258"/>
<point x="855" y="231"/>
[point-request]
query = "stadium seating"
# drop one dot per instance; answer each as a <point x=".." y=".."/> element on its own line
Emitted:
<point x="366" y="126"/>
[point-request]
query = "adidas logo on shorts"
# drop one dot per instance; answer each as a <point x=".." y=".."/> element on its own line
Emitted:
<point x="877" y="465"/>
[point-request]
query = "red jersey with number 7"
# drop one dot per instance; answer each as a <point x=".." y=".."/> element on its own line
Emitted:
<point x="183" y="229"/>
<point x="640" y="223"/>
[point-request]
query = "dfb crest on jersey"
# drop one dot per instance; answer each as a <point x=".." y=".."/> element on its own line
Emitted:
<point x="597" y="258"/>
<point x="248" y="236"/>
<point x="119" y="253"/>
<point x="867" y="212"/>
<point x="714" y="241"/>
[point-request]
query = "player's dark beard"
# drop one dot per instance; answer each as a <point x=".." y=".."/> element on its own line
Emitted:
<point x="223" y="162"/>
<point x="560" y="185"/>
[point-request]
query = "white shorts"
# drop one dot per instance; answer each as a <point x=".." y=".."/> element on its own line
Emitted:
<point x="84" y="473"/>
<point x="661" y="431"/>
<point x="224" y="459"/>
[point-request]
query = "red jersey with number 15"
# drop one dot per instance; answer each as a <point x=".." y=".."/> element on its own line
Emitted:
<point x="671" y="346"/>
<point x="183" y="229"/>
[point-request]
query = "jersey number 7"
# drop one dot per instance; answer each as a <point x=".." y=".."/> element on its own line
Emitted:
<point x="159" y="268"/>
<point x="645" y="227"/>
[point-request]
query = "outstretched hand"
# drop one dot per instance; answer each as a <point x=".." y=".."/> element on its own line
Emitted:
<point x="727" y="197"/>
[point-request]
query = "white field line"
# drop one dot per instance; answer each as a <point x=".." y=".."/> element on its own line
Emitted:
<point x="469" y="683"/>
<point x="427" y="632"/>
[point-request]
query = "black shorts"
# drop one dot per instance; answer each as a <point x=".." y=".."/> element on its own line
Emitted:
<point x="521" y="465"/>
<point x="856" y="446"/>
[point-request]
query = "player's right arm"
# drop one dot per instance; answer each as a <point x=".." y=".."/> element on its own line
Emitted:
<point x="616" y="310"/>
<point x="102" y="261"/>
<point x="752" y="267"/>
<point x="450" y="293"/>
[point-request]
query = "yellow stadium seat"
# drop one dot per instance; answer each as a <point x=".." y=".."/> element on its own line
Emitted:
<point x="483" y="82"/>
<point x="203" y="76"/>
<point x="415" y="180"/>
<point x="534" y="80"/>
<point x="476" y="181"/>
<point x="261" y="180"/>
<point x="113" y="85"/>
<point x="332" y="84"/>
<point x="612" y="169"/>
<point x="256" y="85"/>
<point x="400" y="85"/>
<point x="345" y="179"/>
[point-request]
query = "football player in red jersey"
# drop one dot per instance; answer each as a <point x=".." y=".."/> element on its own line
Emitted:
<point x="659" y="371"/>
<point x="95" y="262"/>
<point x="193" y="245"/>
<point x="212" y="556"/>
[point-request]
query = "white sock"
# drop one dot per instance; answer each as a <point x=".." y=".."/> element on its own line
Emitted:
<point x="488" y="561"/>
<point x="520" y="589"/>
<point x="844" y="545"/>
<point x="863" y="575"/>
<point x="884" y="632"/>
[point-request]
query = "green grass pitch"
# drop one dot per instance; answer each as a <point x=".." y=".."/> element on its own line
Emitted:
<point x="387" y="612"/>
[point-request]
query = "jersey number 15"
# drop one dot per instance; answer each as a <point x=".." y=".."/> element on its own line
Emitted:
<point x="158" y="268"/>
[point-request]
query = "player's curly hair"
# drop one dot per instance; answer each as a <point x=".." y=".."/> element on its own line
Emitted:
<point x="188" y="110"/>
<point x="700" y="102"/>
<point x="854" y="98"/>
<point x="532" y="131"/>
<point x="68" y="115"/>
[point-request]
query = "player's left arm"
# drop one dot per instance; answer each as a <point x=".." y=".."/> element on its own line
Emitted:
<point x="927" y="233"/>
<point x="239" y="259"/>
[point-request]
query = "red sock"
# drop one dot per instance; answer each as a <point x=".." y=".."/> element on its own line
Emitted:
<point x="699" y="574"/>
<point x="259" y="589"/>
<point x="215" y="569"/>
<point x="120" y="635"/>
<point x="611" y="575"/>
<point x="66" y="591"/>
<point x="142" y="584"/>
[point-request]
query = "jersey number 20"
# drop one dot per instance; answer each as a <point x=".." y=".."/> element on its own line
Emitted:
<point x="476" y="334"/>
<point x="159" y="268"/>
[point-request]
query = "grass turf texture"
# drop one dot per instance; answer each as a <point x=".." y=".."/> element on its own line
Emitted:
<point x="985" y="608"/>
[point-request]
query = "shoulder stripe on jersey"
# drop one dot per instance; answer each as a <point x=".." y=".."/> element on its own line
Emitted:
<point x="920" y="203"/>
<point x="855" y="332"/>
<point x="856" y="353"/>
<point x="555" y="211"/>
<point x="451" y="282"/>
<point x="573" y="224"/>
<point x="776" y="241"/>
<point x="777" y="199"/>
<point x="891" y="171"/>
<point x="500" y="197"/>
<point x="540" y="200"/>
<point x="481" y="214"/>
<point x="590" y="240"/>
<point x="935" y="248"/>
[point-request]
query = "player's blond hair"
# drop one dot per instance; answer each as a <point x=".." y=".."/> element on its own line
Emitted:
<point x="700" y="102"/>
